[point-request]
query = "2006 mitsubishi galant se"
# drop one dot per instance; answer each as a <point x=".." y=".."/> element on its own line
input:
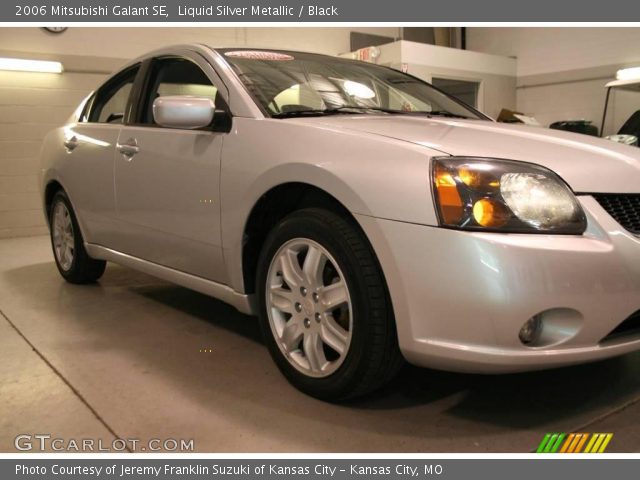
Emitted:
<point x="365" y="216"/>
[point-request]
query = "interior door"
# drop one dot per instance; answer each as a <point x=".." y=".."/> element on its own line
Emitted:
<point x="167" y="180"/>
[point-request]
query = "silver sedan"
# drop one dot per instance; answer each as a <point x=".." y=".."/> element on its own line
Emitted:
<point x="365" y="216"/>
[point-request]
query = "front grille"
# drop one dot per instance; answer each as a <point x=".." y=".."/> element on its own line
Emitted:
<point x="624" y="208"/>
<point x="631" y="326"/>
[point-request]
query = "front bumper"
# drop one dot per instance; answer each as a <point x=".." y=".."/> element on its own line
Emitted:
<point x="461" y="298"/>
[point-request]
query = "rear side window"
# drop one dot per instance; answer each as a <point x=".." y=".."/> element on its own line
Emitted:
<point x="109" y="103"/>
<point x="175" y="76"/>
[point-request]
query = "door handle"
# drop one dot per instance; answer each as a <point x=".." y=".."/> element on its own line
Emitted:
<point x="71" y="143"/>
<point x="129" y="148"/>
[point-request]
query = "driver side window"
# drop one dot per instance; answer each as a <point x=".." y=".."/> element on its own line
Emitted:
<point x="110" y="101"/>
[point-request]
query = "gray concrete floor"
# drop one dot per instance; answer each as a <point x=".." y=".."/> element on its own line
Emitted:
<point x="123" y="358"/>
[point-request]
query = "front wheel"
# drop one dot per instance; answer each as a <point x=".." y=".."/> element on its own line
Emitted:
<point x="72" y="260"/>
<point x="324" y="308"/>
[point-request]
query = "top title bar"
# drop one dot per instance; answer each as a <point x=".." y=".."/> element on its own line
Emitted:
<point x="306" y="11"/>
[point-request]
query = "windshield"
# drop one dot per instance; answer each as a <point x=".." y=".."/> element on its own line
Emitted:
<point x="289" y="84"/>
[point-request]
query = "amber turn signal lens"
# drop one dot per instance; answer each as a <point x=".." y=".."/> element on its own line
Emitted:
<point x="478" y="178"/>
<point x="490" y="213"/>
<point x="448" y="197"/>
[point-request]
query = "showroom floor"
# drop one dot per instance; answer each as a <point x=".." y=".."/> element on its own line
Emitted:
<point x="126" y="358"/>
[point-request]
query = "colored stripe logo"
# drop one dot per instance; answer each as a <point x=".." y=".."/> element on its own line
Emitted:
<point x="574" y="443"/>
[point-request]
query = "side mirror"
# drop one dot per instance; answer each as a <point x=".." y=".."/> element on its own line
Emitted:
<point x="183" y="111"/>
<point x="624" y="139"/>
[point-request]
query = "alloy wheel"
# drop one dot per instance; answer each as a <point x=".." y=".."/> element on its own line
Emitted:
<point x="63" y="236"/>
<point x="309" y="307"/>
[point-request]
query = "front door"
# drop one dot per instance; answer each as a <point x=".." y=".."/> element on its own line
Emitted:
<point x="167" y="180"/>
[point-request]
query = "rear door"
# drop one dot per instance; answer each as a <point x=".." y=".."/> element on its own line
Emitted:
<point x="167" y="180"/>
<point x="90" y="147"/>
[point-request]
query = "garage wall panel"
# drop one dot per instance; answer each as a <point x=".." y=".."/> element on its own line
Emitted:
<point x="19" y="201"/>
<point x="18" y="184"/>
<point x="24" y="113"/>
<point x="25" y="131"/>
<point x="32" y="104"/>
<point x="39" y="97"/>
<point x="12" y="149"/>
<point x="22" y="222"/>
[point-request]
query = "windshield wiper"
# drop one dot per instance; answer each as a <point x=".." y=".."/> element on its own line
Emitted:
<point x="359" y="109"/>
<point x="344" y="109"/>
<point x="433" y="113"/>
<point x="442" y="113"/>
<point x="355" y="109"/>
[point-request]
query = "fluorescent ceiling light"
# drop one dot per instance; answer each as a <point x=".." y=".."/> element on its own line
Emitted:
<point x="628" y="74"/>
<point x="21" y="65"/>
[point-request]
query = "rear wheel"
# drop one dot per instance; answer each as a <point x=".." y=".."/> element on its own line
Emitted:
<point x="72" y="260"/>
<point x="324" y="308"/>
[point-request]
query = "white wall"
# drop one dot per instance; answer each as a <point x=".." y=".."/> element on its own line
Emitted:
<point x="562" y="71"/>
<point x="33" y="103"/>
<point x="548" y="50"/>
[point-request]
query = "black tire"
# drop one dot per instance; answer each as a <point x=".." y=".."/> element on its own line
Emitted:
<point x="83" y="269"/>
<point x="373" y="356"/>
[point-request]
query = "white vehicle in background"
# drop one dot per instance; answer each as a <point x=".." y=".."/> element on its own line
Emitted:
<point x="365" y="216"/>
<point x="622" y="108"/>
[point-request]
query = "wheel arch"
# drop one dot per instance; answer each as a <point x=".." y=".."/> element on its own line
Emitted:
<point x="52" y="187"/>
<point x="275" y="204"/>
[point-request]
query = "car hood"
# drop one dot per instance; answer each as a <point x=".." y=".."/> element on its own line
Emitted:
<point x="587" y="164"/>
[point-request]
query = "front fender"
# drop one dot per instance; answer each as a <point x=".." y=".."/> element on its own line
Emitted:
<point x="369" y="174"/>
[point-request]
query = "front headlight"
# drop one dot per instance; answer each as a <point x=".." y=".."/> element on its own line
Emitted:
<point x="504" y="195"/>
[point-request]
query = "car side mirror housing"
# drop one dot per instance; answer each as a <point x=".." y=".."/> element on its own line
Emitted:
<point x="624" y="139"/>
<point x="183" y="111"/>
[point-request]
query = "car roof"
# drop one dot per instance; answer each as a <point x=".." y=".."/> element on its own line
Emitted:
<point x="292" y="53"/>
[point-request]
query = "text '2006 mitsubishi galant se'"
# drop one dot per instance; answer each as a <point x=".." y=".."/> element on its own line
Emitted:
<point x="365" y="216"/>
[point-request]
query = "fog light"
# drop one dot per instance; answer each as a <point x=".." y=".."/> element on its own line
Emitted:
<point x="531" y="330"/>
